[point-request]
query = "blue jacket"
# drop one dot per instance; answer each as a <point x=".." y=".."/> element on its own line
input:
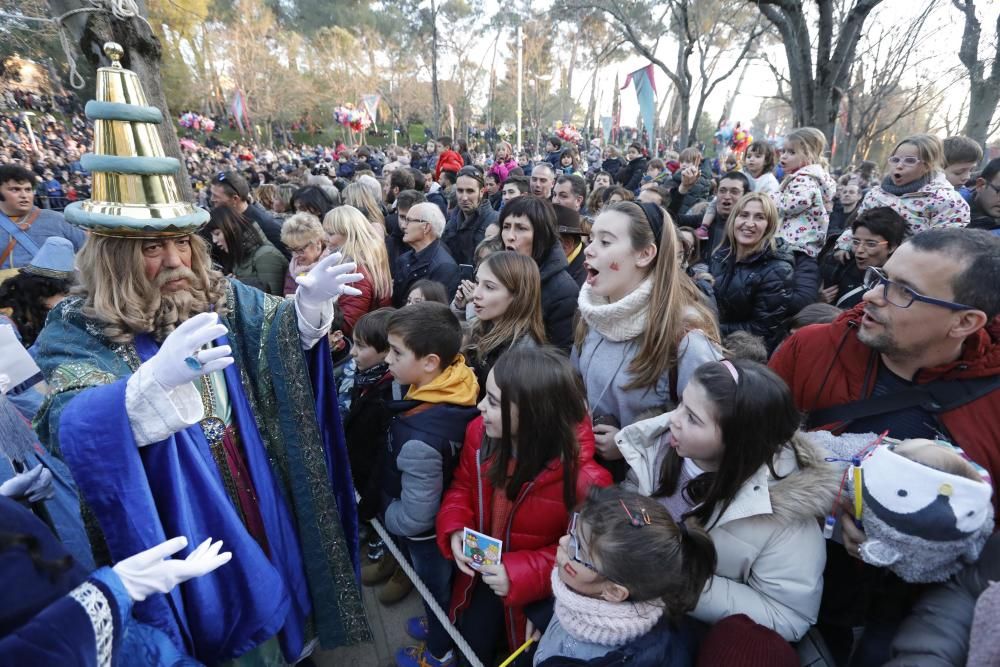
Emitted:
<point x="663" y="646"/>
<point x="433" y="263"/>
<point x="421" y="456"/>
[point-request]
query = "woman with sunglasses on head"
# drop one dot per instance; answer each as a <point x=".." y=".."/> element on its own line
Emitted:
<point x="243" y="254"/>
<point x="876" y="234"/>
<point x="626" y="575"/>
<point x="915" y="187"/>
<point x="526" y="463"/>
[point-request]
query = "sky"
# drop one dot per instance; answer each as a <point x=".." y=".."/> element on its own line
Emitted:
<point x="941" y="37"/>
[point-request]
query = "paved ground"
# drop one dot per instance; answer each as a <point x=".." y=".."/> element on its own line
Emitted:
<point x="389" y="628"/>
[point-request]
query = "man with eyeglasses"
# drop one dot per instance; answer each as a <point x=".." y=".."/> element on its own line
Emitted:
<point x="230" y="189"/>
<point x="915" y="359"/>
<point x="732" y="186"/>
<point x="427" y="258"/>
<point x="876" y="234"/>
<point x="986" y="204"/>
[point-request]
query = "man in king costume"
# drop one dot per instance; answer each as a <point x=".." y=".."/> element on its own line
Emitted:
<point x="189" y="404"/>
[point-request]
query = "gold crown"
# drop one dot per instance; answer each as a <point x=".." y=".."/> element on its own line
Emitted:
<point x="134" y="191"/>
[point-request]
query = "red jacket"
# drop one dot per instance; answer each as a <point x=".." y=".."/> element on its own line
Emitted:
<point x="355" y="307"/>
<point x="448" y="160"/>
<point x="538" y="520"/>
<point x="826" y="365"/>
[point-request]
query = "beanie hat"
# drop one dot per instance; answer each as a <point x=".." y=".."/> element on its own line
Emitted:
<point x="736" y="641"/>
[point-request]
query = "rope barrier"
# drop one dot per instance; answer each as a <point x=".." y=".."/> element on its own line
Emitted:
<point x="120" y="9"/>
<point x="441" y="615"/>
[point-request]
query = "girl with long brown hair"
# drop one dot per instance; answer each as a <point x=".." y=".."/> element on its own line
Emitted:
<point x="643" y="327"/>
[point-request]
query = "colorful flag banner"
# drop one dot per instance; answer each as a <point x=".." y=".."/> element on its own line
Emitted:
<point x="645" y="91"/>
<point x="371" y="105"/>
<point x="240" y="111"/>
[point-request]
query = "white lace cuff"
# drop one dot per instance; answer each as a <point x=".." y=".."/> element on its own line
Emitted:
<point x="98" y="609"/>
<point x="155" y="413"/>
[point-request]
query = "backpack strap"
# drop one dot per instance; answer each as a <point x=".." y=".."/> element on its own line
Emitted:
<point x="17" y="235"/>
<point x="935" y="397"/>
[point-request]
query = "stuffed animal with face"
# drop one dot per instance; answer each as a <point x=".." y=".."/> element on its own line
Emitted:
<point x="926" y="509"/>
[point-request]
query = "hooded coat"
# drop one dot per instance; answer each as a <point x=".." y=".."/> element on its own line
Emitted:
<point x="537" y="521"/>
<point x="804" y="203"/>
<point x="826" y="365"/>
<point x="936" y="204"/>
<point x="771" y="551"/>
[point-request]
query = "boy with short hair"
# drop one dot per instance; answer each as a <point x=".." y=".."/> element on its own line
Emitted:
<point x="691" y="159"/>
<point x="961" y="156"/>
<point x="425" y="435"/>
<point x="656" y="171"/>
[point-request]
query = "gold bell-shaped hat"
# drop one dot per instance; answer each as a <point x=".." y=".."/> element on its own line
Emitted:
<point x="134" y="192"/>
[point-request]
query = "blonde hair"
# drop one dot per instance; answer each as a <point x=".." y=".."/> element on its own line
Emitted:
<point x="690" y="154"/>
<point x="675" y="304"/>
<point x="362" y="246"/>
<point x="770" y="231"/>
<point x="116" y="291"/>
<point x="809" y="141"/>
<point x="301" y="229"/>
<point x="519" y="275"/>
<point x="360" y="197"/>
<point x="929" y="148"/>
<point x="266" y="194"/>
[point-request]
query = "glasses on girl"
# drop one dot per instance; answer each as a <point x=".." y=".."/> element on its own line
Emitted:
<point x="909" y="160"/>
<point x="574" y="545"/>
<point x="867" y="244"/>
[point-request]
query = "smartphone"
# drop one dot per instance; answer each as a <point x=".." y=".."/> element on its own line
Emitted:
<point x="467" y="272"/>
<point x="606" y="420"/>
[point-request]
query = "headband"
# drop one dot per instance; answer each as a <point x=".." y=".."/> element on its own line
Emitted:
<point x="732" y="370"/>
<point x="654" y="215"/>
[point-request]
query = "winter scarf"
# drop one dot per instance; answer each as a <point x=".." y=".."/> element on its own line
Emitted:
<point x="456" y="385"/>
<point x="909" y="188"/>
<point x="622" y="320"/>
<point x="599" y="621"/>
<point x="370" y="376"/>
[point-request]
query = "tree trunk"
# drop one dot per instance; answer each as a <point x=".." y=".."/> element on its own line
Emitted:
<point x="984" y="91"/>
<point x="816" y="94"/>
<point x="143" y="54"/>
<point x="435" y="93"/>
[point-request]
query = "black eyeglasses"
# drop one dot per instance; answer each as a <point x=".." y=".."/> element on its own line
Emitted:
<point x="902" y="296"/>
<point x="574" y="545"/>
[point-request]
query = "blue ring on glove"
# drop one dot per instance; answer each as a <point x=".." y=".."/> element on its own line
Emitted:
<point x="193" y="363"/>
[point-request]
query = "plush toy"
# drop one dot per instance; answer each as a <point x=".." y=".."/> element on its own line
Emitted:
<point x="925" y="508"/>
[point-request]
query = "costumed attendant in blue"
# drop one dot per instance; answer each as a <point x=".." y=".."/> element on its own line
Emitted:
<point x="53" y="613"/>
<point x="188" y="404"/>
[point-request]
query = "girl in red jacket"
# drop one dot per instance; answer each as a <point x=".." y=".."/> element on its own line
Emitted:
<point x="525" y="465"/>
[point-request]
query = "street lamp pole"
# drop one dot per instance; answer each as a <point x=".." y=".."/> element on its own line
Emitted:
<point x="520" y="83"/>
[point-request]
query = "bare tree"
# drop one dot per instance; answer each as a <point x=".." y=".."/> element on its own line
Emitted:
<point x="877" y="98"/>
<point x="819" y="69"/>
<point x="984" y="91"/>
<point x="721" y="32"/>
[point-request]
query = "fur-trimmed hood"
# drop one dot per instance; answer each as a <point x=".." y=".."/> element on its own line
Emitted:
<point x="806" y="485"/>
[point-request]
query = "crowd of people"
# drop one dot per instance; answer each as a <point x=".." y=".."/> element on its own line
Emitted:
<point x="656" y="380"/>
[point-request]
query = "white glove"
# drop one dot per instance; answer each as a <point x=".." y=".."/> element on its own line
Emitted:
<point x="327" y="281"/>
<point x="181" y="360"/>
<point x="4" y="383"/>
<point x="35" y="485"/>
<point x="151" y="571"/>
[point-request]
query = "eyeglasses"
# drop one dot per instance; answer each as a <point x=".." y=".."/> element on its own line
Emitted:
<point x="901" y="296"/>
<point x="415" y="221"/>
<point x="996" y="188"/>
<point x="909" y="160"/>
<point x="868" y="244"/>
<point x="299" y="251"/>
<point x="574" y="545"/>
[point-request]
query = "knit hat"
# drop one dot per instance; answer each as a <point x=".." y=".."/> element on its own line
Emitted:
<point x="736" y="641"/>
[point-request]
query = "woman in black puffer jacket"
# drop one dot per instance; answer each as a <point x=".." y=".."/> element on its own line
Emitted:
<point x="753" y="271"/>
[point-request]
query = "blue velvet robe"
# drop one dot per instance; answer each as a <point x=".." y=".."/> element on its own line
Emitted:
<point x="284" y="403"/>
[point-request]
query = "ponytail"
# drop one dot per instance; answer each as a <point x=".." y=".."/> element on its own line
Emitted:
<point x="698" y="560"/>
